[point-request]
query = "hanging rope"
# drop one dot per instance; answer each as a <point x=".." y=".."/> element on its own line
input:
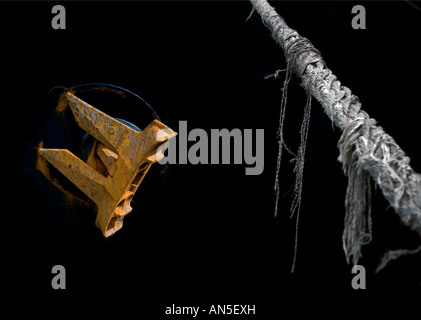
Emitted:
<point x="365" y="149"/>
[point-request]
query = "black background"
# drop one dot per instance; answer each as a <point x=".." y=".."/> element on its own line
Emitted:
<point x="205" y="234"/>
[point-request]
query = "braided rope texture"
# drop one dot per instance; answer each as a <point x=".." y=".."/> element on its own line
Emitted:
<point x="365" y="149"/>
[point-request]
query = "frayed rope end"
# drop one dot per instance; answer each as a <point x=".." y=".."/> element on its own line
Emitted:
<point x="393" y="255"/>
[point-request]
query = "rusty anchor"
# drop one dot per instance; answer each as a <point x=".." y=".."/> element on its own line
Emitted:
<point x="118" y="161"/>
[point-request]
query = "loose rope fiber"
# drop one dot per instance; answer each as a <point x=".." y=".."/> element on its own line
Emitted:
<point x="365" y="149"/>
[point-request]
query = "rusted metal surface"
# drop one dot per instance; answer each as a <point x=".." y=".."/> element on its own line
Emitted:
<point x="117" y="164"/>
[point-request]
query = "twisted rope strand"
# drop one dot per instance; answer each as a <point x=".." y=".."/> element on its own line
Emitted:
<point x="280" y="135"/>
<point x="365" y="149"/>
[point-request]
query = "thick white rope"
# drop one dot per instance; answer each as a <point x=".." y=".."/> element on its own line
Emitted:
<point x="365" y="149"/>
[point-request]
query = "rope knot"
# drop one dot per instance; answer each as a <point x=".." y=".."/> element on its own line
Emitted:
<point x="300" y="53"/>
